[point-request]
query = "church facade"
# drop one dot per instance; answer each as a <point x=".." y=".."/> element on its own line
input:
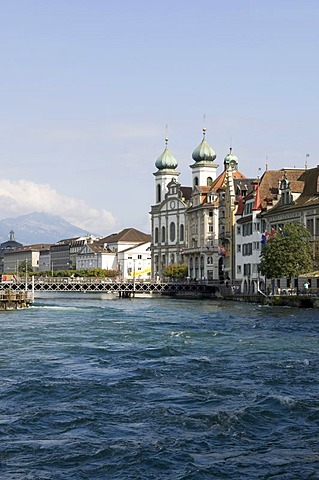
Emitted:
<point x="193" y="224"/>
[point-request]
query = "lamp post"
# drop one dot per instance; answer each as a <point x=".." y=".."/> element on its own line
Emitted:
<point x="26" y="274"/>
<point x="133" y="278"/>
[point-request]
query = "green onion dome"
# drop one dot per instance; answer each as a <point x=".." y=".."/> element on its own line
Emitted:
<point x="204" y="152"/>
<point x="166" y="161"/>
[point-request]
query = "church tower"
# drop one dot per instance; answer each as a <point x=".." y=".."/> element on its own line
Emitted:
<point x="166" y="165"/>
<point x="204" y="168"/>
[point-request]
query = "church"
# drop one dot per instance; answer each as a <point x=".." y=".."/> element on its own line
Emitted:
<point x="193" y="225"/>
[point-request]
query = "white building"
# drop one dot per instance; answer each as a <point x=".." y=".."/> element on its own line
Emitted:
<point x="201" y="251"/>
<point x="127" y="252"/>
<point x="189" y="223"/>
<point x="168" y="215"/>
<point x="268" y="199"/>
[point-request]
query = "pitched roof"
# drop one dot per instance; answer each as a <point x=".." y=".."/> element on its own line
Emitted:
<point x="186" y="192"/>
<point x="29" y="248"/>
<point x="310" y="194"/>
<point x="220" y="181"/>
<point x="269" y="184"/>
<point x="128" y="235"/>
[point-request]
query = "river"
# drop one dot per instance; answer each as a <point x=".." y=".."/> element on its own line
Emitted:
<point x="158" y="389"/>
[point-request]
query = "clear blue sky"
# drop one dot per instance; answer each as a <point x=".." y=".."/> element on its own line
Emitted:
<point x="88" y="86"/>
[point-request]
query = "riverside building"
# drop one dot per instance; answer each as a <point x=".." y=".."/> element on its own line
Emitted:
<point x="194" y="224"/>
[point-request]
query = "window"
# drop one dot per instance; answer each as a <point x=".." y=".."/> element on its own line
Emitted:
<point x="156" y="235"/>
<point x="248" y="208"/>
<point x="209" y="181"/>
<point x="139" y="257"/>
<point x="310" y="225"/>
<point x="247" y="249"/>
<point x="247" y="269"/>
<point x="158" y="194"/>
<point x="196" y="181"/>
<point x="238" y="248"/>
<point x="239" y="269"/>
<point x="163" y="234"/>
<point x="238" y="231"/>
<point x="172" y="232"/>
<point x="181" y="233"/>
<point x="256" y="226"/>
<point x="247" y="229"/>
<point x="211" y="228"/>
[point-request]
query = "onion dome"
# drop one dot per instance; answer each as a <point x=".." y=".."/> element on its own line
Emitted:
<point x="204" y="152"/>
<point x="230" y="157"/>
<point x="166" y="161"/>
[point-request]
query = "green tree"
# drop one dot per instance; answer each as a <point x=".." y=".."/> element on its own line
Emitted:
<point x="175" y="270"/>
<point x="24" y="267"/>
<point x="288" y="253"/>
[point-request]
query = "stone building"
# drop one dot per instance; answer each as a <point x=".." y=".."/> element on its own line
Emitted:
<point x="194" y="225"/>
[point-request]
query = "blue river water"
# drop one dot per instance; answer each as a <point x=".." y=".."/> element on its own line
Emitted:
<point x="158" y="389"/>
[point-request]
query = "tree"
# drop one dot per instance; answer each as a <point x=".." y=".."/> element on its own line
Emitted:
<point x="175" y="270"/>
<point x="287" y="253"/>
<point x="25" y="267"/>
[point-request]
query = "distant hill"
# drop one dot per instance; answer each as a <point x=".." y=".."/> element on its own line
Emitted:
<point x="38" y="228"/>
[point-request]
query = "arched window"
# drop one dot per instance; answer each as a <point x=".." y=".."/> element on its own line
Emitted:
<point x="181" y="233"/>
<point x="172" y="232"/>
<point x="158" y="194"/>
<point x="209" y="181"/>
<point x="196" y="182"/>
<point x="163" y="234"/>
<point x="156" y="235"/>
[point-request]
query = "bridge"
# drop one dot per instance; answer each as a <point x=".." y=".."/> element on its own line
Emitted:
<point x="121" y="289"/>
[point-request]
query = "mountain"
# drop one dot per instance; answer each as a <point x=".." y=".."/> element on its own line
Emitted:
<point x="38" y="228"/>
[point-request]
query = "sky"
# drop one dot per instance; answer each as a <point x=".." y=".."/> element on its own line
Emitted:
<point x="89" y="89"/>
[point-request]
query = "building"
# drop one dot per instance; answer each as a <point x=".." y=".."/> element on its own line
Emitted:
<point x="201" y="215"/>
<point x="195" y="225"/>
<point x="94" y="255"/>
<point x="267" y="194"/>
<point x="230" y="185"/>
<point x="127" y="252"/>
<point x="28" y="256"/>
<point x="6" y="246"/>
<point x="168" y="215"/>
<point x="299" y="202"/>
<point x="63" y="253"/>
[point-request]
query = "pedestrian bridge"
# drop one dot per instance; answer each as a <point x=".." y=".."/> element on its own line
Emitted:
<point x="121" y="289"/>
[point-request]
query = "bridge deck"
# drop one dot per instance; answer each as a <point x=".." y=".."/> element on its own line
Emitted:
<point x="120" y="288"/>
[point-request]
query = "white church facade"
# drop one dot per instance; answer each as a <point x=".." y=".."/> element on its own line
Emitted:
<point x="186" y="221"/>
